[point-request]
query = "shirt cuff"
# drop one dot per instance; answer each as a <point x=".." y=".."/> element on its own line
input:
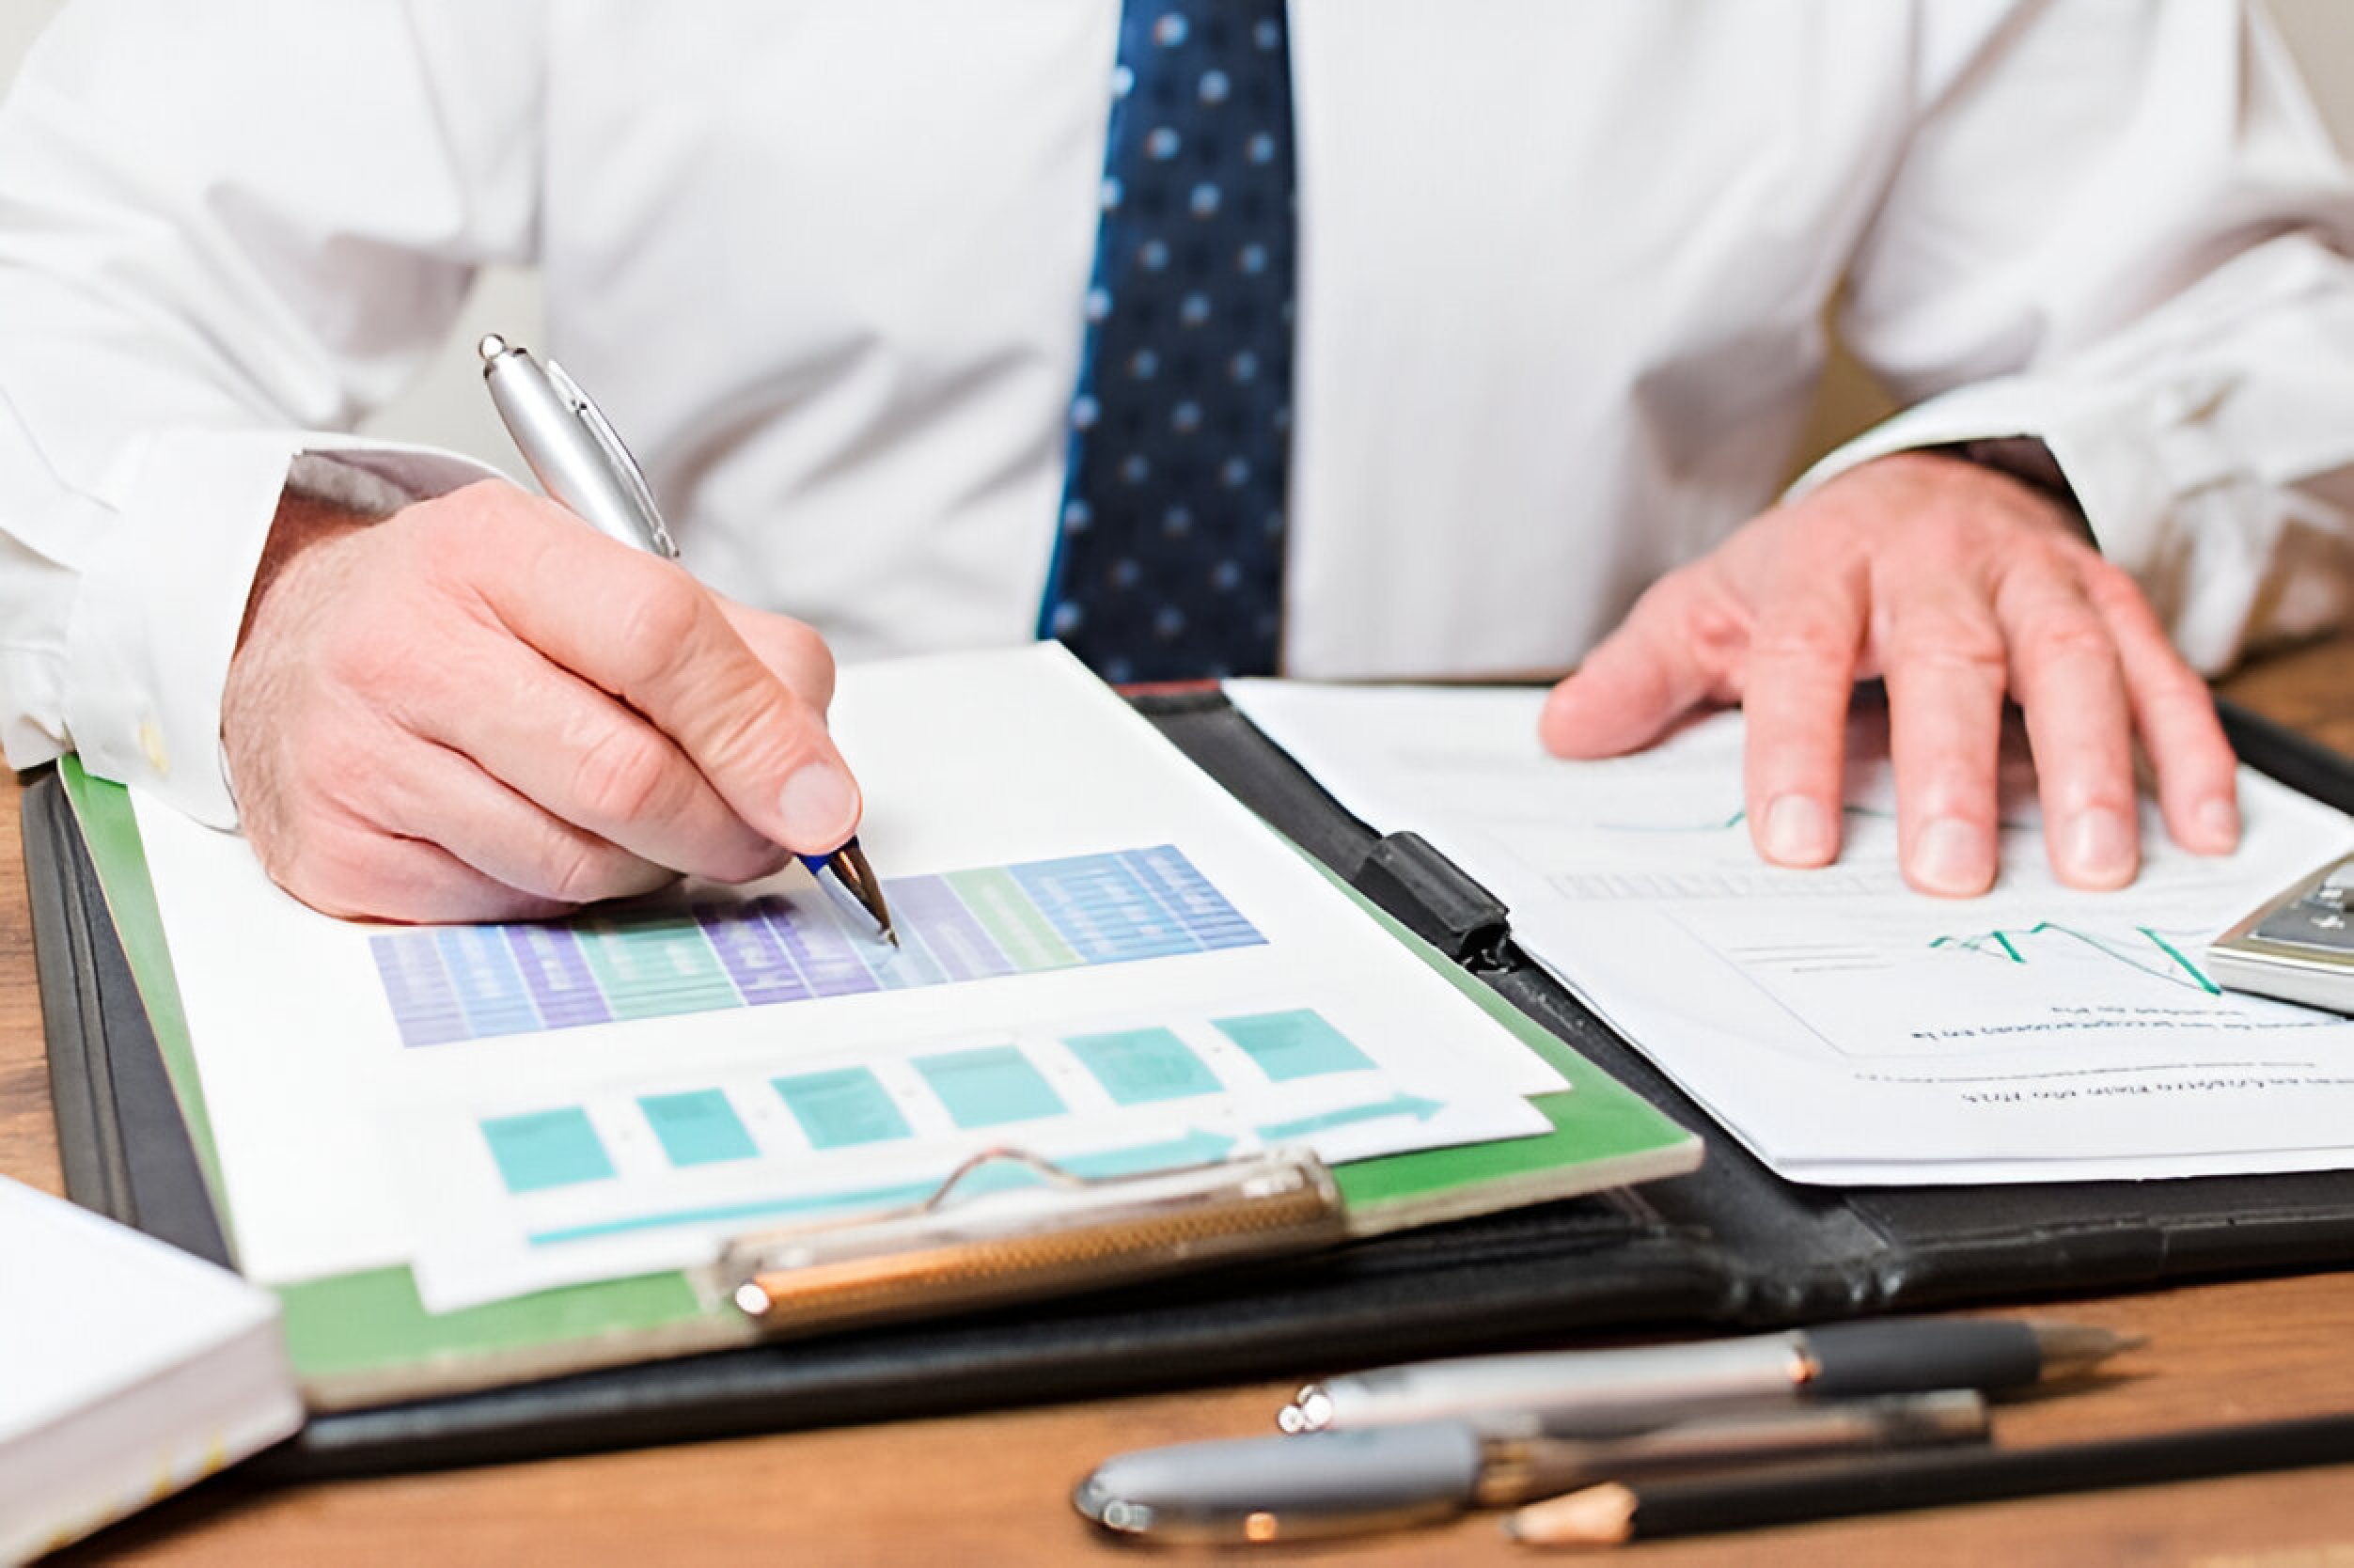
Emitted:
<point x="155" y="621"/>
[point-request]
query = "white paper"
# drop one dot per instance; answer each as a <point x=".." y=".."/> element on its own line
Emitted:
<point x="343" y="1148"/>
<point x="1846" y="1029"/>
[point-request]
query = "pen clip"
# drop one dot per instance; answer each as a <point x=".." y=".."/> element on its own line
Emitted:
<point x="617" y="457"/>
<point x="936" y="1256"/>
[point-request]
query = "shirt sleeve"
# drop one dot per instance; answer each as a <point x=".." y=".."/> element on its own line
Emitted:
<point x="2123" y="230"/>
<point x="226" y="233"/>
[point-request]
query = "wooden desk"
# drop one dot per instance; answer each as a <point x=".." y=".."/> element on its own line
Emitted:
<point x="991" y="1489"/>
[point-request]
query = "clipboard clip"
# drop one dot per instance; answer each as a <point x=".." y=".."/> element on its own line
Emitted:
<point x="1056" y="1235"/>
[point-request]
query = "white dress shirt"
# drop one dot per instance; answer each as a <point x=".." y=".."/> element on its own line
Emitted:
<point x="1564" y="277"/>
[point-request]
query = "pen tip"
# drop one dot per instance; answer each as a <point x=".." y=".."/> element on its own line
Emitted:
<point x="490" y="347"/>
<point x="2070" y="1349"/>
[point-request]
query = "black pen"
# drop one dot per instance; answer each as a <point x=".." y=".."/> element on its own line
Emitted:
<point x="579" y="460"/>
<point x="1327" y="1483"/>
<point x="1611" y="1514"/>
<point x="1890" y="1356"/>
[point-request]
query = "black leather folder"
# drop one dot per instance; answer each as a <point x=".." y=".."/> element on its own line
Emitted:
<point x="1729" y="1247"/>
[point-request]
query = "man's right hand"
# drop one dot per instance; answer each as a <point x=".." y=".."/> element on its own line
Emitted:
<point x="480" y="709"/>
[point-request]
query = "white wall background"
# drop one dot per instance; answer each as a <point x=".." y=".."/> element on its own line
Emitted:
<point x="448" y="407"/>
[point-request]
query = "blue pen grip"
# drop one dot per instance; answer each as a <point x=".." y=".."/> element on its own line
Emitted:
<point x="819" y="864"/>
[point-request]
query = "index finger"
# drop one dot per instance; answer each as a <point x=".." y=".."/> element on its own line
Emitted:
<point x="1635" y="683"/>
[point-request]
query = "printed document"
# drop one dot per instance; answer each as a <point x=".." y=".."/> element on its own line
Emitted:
<point x="1103" y="960"/>
<point x="1846" y="1029"/>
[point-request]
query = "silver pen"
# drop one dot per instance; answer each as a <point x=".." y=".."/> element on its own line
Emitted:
<point x="1327" y="1483"/>
<point x="571" y="447"/>
<point x="580" y="461"/>
<point x="1837" y="1360"/>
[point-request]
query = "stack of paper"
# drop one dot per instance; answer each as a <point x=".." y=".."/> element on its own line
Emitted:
<point x="127" y="1370"/>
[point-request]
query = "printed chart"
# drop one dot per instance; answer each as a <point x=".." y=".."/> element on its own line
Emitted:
<point x="653" y="1172"/>
<point x="2116" y="980"/>
<point x="899" y="1102"/>
<point x="470" y="982"/>
<point x="2143" y="949"/>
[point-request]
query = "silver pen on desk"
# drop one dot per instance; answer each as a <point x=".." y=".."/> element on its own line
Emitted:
<point x="580" y="461"/>
<point x="1836" y="1360"/>
<point x="1327" y="1483"/>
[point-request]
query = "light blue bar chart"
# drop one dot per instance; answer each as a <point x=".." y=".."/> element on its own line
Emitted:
<point x="855" y="1107"/>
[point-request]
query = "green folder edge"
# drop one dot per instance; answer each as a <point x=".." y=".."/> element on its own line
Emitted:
<point x="372" y="1322"/>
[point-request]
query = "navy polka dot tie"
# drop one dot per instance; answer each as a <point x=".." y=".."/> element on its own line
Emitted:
<point x="1169" y="563"/>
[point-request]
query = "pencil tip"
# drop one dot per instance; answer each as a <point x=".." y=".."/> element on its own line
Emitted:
<point x="1596" y="1517"/>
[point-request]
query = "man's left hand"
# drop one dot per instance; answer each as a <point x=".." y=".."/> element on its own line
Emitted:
<point x="1960" y="587"/>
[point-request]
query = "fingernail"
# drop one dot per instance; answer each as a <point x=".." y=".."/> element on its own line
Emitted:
<point x="2098" y="845"/>
<point x="1798" y="831"/>
<point x="1953" y="857"/>
<point x="2219" y="823"/>
<point x="818" y="806"/>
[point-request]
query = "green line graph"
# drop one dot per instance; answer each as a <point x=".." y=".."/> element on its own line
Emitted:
<point x="1718" y="825"/>
<point x="1851" y="811"/>
<point x="2146" y="950"/>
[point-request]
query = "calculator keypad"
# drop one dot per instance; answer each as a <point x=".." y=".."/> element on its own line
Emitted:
<point x="2323" y="919"/>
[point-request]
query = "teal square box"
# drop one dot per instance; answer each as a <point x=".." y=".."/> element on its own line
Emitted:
<point x="698" y="1127"/>
<point x="989" y="1085"/>
<point x="1138" y="1066"/>
<point x="1294" y="1044"/>
<point x="843" y="1107"/>
<point x="546" y="1149"/>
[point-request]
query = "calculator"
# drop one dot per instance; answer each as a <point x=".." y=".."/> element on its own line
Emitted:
<point x="2299" y="947"/>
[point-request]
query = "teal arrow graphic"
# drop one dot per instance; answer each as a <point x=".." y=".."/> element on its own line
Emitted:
<point x="1401" y="1104"/>
<point x="895" y="1196"/>
<point x="1196" y="1147"/>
